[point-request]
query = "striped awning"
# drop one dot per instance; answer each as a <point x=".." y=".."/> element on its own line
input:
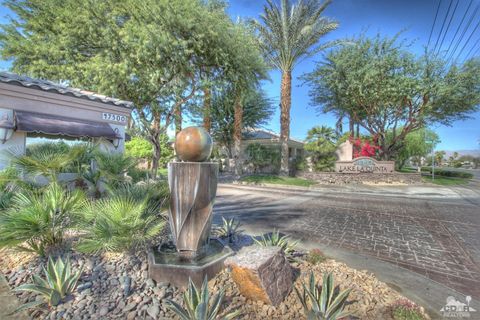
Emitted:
<point x="63" y="126"/>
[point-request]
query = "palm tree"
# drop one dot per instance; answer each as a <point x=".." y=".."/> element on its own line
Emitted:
<point x="288" y="34"/>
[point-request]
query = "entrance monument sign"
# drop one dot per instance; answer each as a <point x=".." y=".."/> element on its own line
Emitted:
<point x="365" y="165"/>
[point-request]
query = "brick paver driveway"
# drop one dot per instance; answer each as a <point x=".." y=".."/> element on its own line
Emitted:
<point x="433" y="235"/>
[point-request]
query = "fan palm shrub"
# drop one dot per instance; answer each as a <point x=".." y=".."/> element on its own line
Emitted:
<point x="120" y="223"/>
<point x="47" y="160"/>
<point x="275" y="239"/>
<point x="113" y="166"/>
<point x="198" y="305"/>
<point x="156" y="193"/>
<point x="288" y="34"/>
<point x="60" y="282"/>
<point x="39" y="219"/>
<point x="324" y="303"/>
<point x="8" y="186"/>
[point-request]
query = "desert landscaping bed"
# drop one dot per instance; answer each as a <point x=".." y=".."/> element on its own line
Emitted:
<point x="117" y="286"/>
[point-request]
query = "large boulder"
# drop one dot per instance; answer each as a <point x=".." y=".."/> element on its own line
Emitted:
<point x="262" y="273"/>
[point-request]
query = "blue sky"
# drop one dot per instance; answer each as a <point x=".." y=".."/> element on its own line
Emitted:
<point x="387" y="17"/>
<point x="372" y="16"/>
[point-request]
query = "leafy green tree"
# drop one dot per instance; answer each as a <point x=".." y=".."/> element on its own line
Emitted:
<point x="139" y="148"/>
<point x="288" y="34"/>
<point x="257" y="110"/>
<point x="388" y="89"/>
<point x="322" y="142"/>
<point x="248" y="68"/>
<point x="439" y="157"/>
<point x="261" y="156"/>
<point x="417" y="145"/>
<point x="149" y="52"/>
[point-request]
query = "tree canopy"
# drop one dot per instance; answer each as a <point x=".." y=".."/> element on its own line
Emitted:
<point x="154" y="53"/>
<point x="322" y="142"/>
<point x="288" y="33"/>
<point x="387" y="89"/>
<point x="417" y="145"/>
<point x="257" y="110"/>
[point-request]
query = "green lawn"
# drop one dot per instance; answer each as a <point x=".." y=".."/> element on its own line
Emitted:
<point x="446" y="181"/>
<point x="291" y="181"/>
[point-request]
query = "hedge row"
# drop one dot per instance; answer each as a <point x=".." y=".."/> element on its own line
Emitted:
<point x="448" y="173"/>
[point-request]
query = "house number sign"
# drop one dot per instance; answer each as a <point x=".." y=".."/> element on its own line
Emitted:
<point x="113" y="117"/>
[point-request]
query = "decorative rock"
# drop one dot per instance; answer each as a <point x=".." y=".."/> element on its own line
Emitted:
<point x="84" y="286"/>
<point x="127" y="286"/>
<point x="153" y="311"/>
<point x="132" y="315"/>
<point x="103" y="311"/>
<point x="130" y="307"/>
<point x="262" y="273"/>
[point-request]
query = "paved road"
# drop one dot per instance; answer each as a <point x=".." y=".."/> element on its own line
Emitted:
<point x="432" y="231"/>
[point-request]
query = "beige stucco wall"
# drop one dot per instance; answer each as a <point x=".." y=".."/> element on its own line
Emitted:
<point x="14" y="97"/>
<point x="344" y="151"/>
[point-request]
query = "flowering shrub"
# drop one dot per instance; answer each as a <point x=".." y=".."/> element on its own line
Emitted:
<point x="404" y="309"/>
<point x="364" y="148"/>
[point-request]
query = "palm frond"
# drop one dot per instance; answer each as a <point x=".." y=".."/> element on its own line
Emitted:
<point x="288" y="33"/>
<point x="118" y="224"/>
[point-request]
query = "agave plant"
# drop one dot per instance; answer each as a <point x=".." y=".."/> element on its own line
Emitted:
<point x="118" y="224"/>
<point x="229" y="229"/>
<point x="323" y="303"/>
<point x="274" y="239"/>
<point x="59" y="283"/>
<point x="93" y="180"/>
<point x="198" y="305"/>
<point x="39" y="219"/>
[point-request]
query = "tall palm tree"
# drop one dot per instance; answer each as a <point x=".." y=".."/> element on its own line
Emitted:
<point x="289" y="33"/>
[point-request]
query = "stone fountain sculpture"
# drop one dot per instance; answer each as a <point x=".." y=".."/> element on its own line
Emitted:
<point x="193" y="186"/>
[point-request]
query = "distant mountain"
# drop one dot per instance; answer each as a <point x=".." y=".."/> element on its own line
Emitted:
<point x="474" y="153"/>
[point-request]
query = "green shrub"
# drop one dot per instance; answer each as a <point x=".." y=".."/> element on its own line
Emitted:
<point x="155" y="193"/>
<point x="198" y="305"/>
<point x="114" y="166"/>
<point x="8" y="186"/>
<point x="37" y="220"/>
<point x="138" y="174"/>
<point x="325" y="303"/>
<point x="405" y="310"/>
<point x="315" y="256"/>
<point x="48" y="162"/>
<point x="118" y="224"/>
<point x="230" y="229"/>
<point x="260" y="156"/>
<point x="59" y="283"/>
<point x="274" y="239"/>
<point x="448" y="173"/>
<point x="48" y="147"/>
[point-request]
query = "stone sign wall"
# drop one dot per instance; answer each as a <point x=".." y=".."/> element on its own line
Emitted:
<point x="365" y="165"/>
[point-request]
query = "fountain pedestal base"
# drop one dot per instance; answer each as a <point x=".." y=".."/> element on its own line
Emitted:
<point x="168" y="265"/>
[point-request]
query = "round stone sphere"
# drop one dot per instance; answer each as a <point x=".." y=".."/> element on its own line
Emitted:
<point x="193" y="144"/>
